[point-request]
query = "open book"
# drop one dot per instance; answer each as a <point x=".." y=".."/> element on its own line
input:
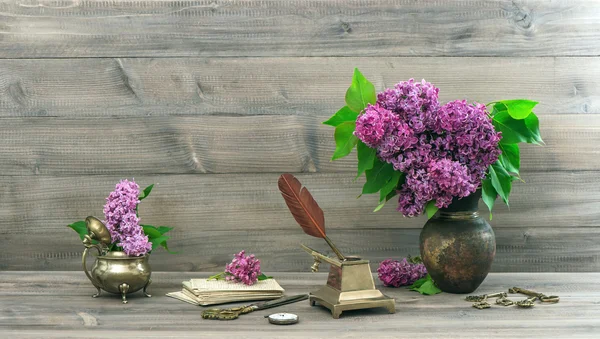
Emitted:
<point x="205" y="292"/>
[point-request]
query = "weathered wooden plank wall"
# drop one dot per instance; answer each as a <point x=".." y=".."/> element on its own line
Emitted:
<point x="214" y="99"/>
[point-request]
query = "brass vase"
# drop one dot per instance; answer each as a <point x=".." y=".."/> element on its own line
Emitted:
<point x="114" y="272"/>
<point x="458" y="246"/>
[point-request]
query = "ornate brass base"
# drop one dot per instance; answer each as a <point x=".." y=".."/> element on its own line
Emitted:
<point x="338" y="302"/>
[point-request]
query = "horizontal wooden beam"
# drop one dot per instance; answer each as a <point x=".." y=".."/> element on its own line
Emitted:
<point x="83" y="88"/>
<point x="222" y="144"/>
<point x="88" y="28"/>
<point x="41" y="207"/>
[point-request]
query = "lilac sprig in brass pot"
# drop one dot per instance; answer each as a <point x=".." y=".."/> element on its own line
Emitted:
<point x="114" y="271"/>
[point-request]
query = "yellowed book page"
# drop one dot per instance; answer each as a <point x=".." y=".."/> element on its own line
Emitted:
<point x="183" y="297"/>
<point x="204" y="285"/>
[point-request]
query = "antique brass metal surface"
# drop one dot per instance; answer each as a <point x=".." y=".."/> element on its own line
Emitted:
<point x="350" y="286"/>
<point x="113" y="272"/>
<point x="541" y="296"/>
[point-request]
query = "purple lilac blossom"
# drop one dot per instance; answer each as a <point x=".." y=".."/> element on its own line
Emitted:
<point x="122" y="221"/>
<point x="444" y="151"/>
<point x="244" y="269"/>
<point x="393" y="273"/>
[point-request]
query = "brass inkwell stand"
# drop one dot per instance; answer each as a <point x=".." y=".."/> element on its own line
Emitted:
<point x="350" y="284"/>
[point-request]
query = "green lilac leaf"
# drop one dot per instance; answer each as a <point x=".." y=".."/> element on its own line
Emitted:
<point x="151" y="231"/>
<point x="419" y="282"/>
<point x="166" y="247"/>
<point x="488" y="194"/>
<point x="377" y="177"/>
<point x="79" y="227"/>
<point x="164" y="229"/>
<point x="515" y="131"/>
<point x="501" y="180"/>
<point x="366" y="157"/>
<point x="431" y="209"/>
<point x="385" y="199"/>
<point x="343" y="115"/>
<point x="146" y="192"/>
<point x="520" y="108"/>
<point x="391" y="185"/>
<point x="510" y="157"/>
<point x="360" y="93"/>
<point x="344" y="139"/>
<point x="262" y="276"/>
<point x="428" y="288"/>
<point x="158" y="240"/>
<point x="533" y="126"/>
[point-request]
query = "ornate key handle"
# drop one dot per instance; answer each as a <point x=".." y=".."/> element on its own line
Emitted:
<point x="97" y="233"/>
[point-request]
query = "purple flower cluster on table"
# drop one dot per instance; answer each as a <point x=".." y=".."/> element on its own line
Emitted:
<point x="122" y="221"/>
<point x="243" y="268"/>
<point x="395" y="273"/>
<point x="443" y="150"/>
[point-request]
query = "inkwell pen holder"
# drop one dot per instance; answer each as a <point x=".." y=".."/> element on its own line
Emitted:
<point x="113" y="271"/>
<point x="350" y="285"/>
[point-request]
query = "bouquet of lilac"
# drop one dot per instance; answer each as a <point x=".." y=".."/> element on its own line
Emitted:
<point x="123" y="222"/>
<point x="411" y="146"/>
<point x="243" y="268"/>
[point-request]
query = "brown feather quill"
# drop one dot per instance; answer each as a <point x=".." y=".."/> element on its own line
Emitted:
<point x="305" y="209"/>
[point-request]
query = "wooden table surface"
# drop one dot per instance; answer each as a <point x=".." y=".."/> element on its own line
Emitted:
<point x="59" y="305"/>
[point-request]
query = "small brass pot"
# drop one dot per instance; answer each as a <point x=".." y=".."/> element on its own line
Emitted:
<point x="458" y="246"/>
<point x="114" y="272"/>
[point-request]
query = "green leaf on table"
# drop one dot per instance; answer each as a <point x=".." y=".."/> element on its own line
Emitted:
<point x="519" y="108"/>
<point x="146" y="192"/>
<point x="366" y="157"/>
<point x="262" y="276"/>
<point x="515" y="131"/>
<point x="79" y="227"/>
<point x="488" y="194"/>
<point x="501" y="180"/>
<point x="343" y="115"/>
<point x="431" y="209"/>
<point x="425" y="286"/>
<point x="360" y="93"/>
<point x="377" y="177"/>
<point x="510" y="157"/>
<point x="344" y="139"/>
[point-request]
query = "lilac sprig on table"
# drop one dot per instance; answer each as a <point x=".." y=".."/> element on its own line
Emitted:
<point x="123" y="222"/>
<point x="394" y="273"/>
<point x="411" y="146"/>
<point x="243" y="269"/>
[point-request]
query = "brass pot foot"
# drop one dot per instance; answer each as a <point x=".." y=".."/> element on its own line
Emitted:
<point x="98" y="293"/>
<point x="124" y="288"/>
<point x="146" y="288"/>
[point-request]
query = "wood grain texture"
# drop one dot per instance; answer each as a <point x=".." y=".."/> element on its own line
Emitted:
<point x="83" y="88"/>
<point x="218" y="215"/>
<point x="58" y="305"/>
<point x="40" y="28"/>
<point x="223" y="144"/>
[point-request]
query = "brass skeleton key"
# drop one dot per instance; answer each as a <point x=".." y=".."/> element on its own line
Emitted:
<point x="527" y="303"/>
<point x="484" y="297"/>
<point x="480" y="301"/>
<point x="541" y="296"/>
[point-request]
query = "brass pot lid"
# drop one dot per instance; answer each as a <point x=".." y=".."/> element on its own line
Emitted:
<point x="98" y="230"/>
